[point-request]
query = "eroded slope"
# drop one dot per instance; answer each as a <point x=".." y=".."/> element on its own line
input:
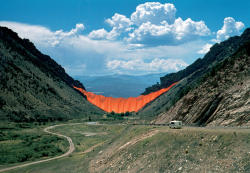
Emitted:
<point x="221" y="99"/>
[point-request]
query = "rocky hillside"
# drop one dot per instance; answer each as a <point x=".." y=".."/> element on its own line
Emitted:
<point x="33" y="87"/>
<point x="217" y="53"/>
<point x="193" y="76"/>
<point x="223" y="97"/>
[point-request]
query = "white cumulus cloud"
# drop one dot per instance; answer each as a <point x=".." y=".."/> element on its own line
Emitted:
<point x="151" y="39"/>
<point x="230" y="28"/>
<point x="164" y="34"/>
<point x="99" y="34"/>
<point x="154" y="12"/>
<point x="119" y="23"/>
<point x="152" y="24"/>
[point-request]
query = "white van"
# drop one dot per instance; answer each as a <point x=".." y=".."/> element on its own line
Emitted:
<point x="175" y="124"/>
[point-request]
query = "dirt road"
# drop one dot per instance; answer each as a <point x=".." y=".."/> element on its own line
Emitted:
<point x="71" y="148"/>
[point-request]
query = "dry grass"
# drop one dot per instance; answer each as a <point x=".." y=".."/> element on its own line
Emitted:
<point x="127" y="148"/>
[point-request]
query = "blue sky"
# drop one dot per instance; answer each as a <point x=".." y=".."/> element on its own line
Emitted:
<point x="96" y="37"/>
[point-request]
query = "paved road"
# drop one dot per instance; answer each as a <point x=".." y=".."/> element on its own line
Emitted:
<point x="71" y="148"/>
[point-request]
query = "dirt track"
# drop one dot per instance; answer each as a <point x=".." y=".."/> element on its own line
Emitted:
<point x="71" y="149"/>
<point x="129" y="143"/>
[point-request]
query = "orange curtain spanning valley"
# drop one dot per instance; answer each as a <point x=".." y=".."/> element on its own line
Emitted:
<point x="122" y="105"/>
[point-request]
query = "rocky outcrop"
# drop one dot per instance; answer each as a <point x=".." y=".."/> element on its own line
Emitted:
<point x="217" y="53"/>
<point x="222" y="98"/>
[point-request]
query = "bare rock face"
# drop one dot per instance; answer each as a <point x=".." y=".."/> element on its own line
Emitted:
<point x="222" y="98"/>
<point x="203" y="84"/>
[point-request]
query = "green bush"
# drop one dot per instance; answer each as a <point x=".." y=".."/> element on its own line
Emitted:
<point x="18" y="145"/>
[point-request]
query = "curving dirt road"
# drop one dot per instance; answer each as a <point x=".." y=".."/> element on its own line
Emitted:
<point x="71" y="148"/>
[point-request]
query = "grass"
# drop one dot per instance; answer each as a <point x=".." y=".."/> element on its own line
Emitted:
<point x="117" y="148"/>
<point x="78" y="162"/>
<point x="26" y="142"/>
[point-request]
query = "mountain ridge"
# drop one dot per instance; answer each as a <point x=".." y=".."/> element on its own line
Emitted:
<point x="192" y="78"/>
<point x="221" y="99"/>
<point x="217" y="53"/>
<point x="34" y="87"/>
<point x="45" y="61"/>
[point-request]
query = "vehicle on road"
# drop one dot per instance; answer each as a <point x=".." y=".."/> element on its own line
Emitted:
<point x="175" y="124"/>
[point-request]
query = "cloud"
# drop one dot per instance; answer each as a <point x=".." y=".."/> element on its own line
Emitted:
<point x="155" y="65"/>
<point x="81" y="55"/>
<point x="99" y="34"/>
<point x="42" y="35"/>
<point x="153" y="12"/>
<point x="164" y="34"/>
<point x="34" y="32"/>
<point x="78" y="28"/>
<point x="205" y="48"/>
<point x="68" y="48"/>
<point x="230" y="28"/>
<point x="151" y="39"/>
<point x="119" y="23"/>
<point x="152" y="24"/>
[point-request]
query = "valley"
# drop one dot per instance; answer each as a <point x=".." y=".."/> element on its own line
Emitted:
<point x="50" y="122"/>
<point x="122" y="147"/>
<point x="126" y="85"/>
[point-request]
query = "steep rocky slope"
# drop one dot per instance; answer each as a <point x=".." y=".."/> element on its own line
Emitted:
<point x="33" y="87"/>
<point x="223" y="97"/>
<point x="191" y="77"/>
<point x="217" y="53"/>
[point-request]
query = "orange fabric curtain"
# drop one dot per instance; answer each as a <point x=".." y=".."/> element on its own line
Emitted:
<point x="122" y="105"/>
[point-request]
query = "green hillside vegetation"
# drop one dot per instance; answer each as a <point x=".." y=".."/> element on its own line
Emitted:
<point x="20" y="142"/>
<point x="34" y="87"/>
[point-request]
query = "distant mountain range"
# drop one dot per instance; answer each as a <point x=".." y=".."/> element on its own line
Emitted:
<point x="119" y="85"/>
